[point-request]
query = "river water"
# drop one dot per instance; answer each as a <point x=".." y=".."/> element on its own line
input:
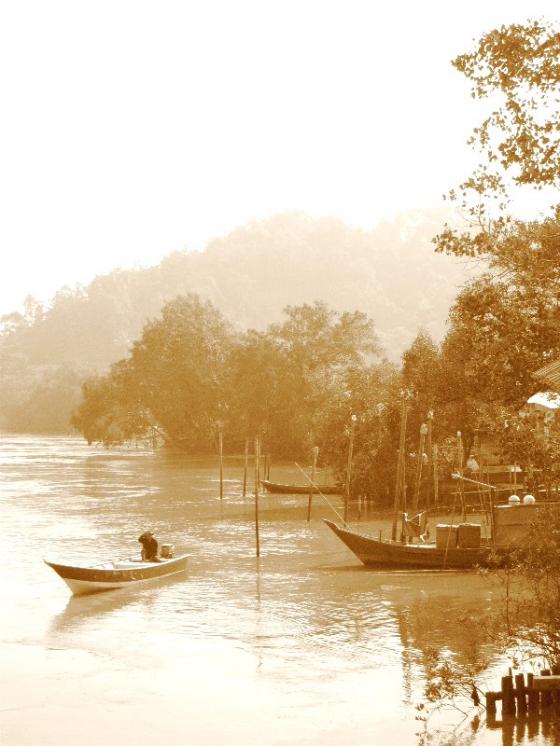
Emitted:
<point x="302" y="646"/>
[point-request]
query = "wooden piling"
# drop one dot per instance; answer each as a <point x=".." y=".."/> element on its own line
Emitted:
<point x="508" y="696"/>
<point x="520" y="694"/>
<point x="429" y="449"/>
<point x="401" y="471"/>
<point x="221" y="452"/>
<point x="556" y="694"/>
<point x="312" y="485"/>
<point x="353" y="420"/>
<point x="546" y="696"/>
<point x="532" y="696"/>
<point x="245" y="466"/>
<point x="435" y="473"/>
<point x="257" y="480"/>
<point x="491" y="705"/>
<point x="460" y="464"/>
<point x="419" y="464"/>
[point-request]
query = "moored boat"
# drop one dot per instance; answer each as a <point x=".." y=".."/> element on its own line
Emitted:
<point x="106" y="576"/>
<point x="394" y="554"/>
<point x="301" y="489"/>
<point x="458" y="547"/>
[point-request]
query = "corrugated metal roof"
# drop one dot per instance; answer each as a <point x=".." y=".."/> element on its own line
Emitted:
<point x="550" y="374"/>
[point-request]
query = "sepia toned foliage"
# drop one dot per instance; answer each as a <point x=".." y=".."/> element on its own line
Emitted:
<point x="250" y="275"/>
<point x="173" y="381"/>
<point x="189" y="371"/>
<point x="516" y="68"/>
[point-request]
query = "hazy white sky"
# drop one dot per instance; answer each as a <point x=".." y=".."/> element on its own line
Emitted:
<point x="132" y="128"/>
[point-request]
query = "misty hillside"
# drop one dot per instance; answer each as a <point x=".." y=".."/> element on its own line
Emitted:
<point x="391" y="273"/>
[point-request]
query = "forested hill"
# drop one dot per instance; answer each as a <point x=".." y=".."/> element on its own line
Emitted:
<point x="391" y="273"/>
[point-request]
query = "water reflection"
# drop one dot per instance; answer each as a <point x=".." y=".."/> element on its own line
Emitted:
<point x="80" y="610"/>
<point x="330" y="651"/>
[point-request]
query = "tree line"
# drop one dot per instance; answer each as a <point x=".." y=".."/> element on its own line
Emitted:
<point x="299" y="381"/>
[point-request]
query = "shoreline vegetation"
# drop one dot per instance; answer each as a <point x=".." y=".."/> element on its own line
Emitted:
<point x="212" y="358"/>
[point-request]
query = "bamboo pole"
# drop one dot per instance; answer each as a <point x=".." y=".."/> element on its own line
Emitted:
<point x="245" y="466"/>
<point x="460" y="460"/>
<point x="312" y="485"/>
<point x="419" y="464"/>
<point x="435" y="473"/>
<point x="221" y="451"/>
<point x="353" y="421"/>
<point x="257" y="480"/>
<point x="400" y="477"/>
<point x="429" y="449"/>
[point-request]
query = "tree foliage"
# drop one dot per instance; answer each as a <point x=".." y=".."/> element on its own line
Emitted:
<point x="189" y="370"/>
<point x="517" y="67"/>
<point x="174" y="380"/>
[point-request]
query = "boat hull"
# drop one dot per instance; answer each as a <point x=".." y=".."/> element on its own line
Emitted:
<point x="300" y="489"/>
<point x="114" y="574"/>
<point x="385" y="554"/>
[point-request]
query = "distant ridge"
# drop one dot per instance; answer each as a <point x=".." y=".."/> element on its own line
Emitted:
<point x="390" y="272"/>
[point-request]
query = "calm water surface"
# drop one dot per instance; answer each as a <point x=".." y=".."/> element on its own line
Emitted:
<point x="303" y="646"/>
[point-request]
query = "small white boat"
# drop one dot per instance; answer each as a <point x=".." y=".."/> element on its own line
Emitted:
<point x="106" y="576"/>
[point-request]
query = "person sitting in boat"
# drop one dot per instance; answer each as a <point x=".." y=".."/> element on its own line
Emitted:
<point x="149" y="547"/>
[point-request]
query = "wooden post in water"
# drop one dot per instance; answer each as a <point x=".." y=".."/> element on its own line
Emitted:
<point x="245" y="466"/>
<point x="546" y="696"/>
<point x="532" y="696"/>
<point x="312" y="485"/>
<point x="419" y="464"/>
<point x="429" y="450"/>
<point x="257" y="480"/>
<point x="353" y="421"/>
<point x="221" y="452"/>
<point x="460" y="460"/>
<point x="520" y="693"/>
<point x="435" y="467"/>
<point x="400" y="477"/>
<point x="508" y="696"/>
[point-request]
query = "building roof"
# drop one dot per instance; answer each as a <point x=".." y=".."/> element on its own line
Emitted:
<point x="550" y="374"/>
<point x="547" y="399"/>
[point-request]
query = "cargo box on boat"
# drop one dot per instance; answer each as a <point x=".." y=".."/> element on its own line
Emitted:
<point x="446" y="536"/>
<point x="468" y="535"/>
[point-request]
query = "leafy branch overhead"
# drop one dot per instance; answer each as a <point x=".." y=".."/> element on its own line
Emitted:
<point x="518" y="67"/>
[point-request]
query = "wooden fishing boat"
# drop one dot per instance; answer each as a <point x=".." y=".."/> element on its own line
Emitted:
<point x="457" y="547"/>
<point x="301" y="489"/>
<point x="394" y="554"/>
<point x="106" y="576"/>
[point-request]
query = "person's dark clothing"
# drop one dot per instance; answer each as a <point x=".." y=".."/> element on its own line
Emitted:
<point x="149" y="546"/>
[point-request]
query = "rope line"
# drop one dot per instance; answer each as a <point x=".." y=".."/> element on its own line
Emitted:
<point x="314" y="486"/>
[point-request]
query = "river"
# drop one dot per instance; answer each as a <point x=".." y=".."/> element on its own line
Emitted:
<point x="301" y="647"/>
